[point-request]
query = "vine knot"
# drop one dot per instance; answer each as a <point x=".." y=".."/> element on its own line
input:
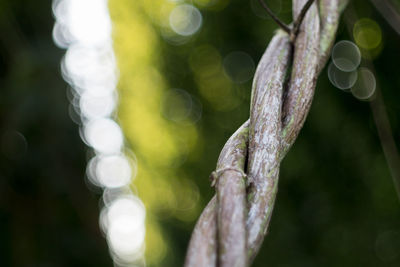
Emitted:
<point x="215" y="174"/>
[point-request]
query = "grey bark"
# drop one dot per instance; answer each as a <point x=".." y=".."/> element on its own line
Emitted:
<point x="278" y="112"/>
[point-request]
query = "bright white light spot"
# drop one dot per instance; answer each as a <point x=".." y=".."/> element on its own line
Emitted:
<point x="96" y="106"/>
<point x="88" y="21"/>
<point x="185" y="19"/>
<point x="61" y="36"/>
<point x="346" y="56"/>
<point x="90" y="68"/>
<point x="101" y="90"/>
<point x="91" y="171"/>
<point x="129" y="208"/>
<point x="113" y="171"/>
<point x="125" y="226"/>
<point x="104" y="135"/>
<point x="60" y="10"/>
<point x="126" y="244"/>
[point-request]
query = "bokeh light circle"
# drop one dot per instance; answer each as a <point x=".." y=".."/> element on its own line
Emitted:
<point x="367" y="34"/>
<point x="89" y="66"/>
<point x="91" y="171"/>
<point x="176" y="105"/>
<point x="346" y="56"/>
<point x="113" y="171"/>
<point x="341" y="79"/>
<point x="96" y="106"/>
<point x="86" y="68"/>
<point x="185" y="20"/>
<point x="125" y="227"/>
<point x="126" y="205"/>
<point x="104" y="135"/>
<point x="92" y="30"/>
<point x="205" y="61"/>
<point x="239" y="66"/>
<point x="365" y="86"/>
<point x="61" y="36"/>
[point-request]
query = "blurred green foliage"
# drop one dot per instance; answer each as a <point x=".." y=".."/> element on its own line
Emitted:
<point x="336" y="204"/>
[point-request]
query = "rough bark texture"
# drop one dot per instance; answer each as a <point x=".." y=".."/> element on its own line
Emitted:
<point x="230" y="205"/>
<point x="202" y="250"/>
<point x="329" y="13"/>
<point x="276" y="118"/>
<point x="301" y="87"/>
<point x="231" y="195"/>
<point x="264" y="136"/>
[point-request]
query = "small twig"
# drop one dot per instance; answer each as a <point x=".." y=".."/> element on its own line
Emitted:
<point x="381" y="117"/>
<point x="299" y="20"/>
<point x="283" y="26"/>
<point x="292" y="31"/>
<point x="386" y="137"/>
<point x="389" y="12"/>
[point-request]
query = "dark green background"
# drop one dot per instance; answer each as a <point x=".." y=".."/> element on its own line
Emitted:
<point x="336" y="204"/>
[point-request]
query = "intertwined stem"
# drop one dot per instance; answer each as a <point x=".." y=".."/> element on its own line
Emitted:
<point x="300" y="16"/>
<point x="231" y="195"/>
<point x="282" y="25"/>
<point x="265" y="137"/>
<point x="294" y="30"/>
<point x="226" y="234"/>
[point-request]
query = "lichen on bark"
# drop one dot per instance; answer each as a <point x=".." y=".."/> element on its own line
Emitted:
<point x="227" y="234"/>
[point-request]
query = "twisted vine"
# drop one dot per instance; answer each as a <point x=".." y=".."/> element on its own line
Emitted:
<point x="231" y="229"/>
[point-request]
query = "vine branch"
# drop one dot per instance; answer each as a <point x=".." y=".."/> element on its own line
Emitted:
<point x="294" y="30"/>
<point x="227" y="234"/>
<point x="280" y="23"/>
<point x="389" y="12"/>
<point x="380" y="116"/>
<point x="300" y="18"/>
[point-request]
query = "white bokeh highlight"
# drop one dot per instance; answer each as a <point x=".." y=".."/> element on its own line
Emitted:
<point x="125" y="224"/>
<point x="84" y="27"/>
<point x="113" y="171"/>
<point x="185" y="19"/>
<point x="341" y="79"/>
<point x="365" y="86"/>
<point x="104" y="135"/>
<point x="346" y="56"/>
